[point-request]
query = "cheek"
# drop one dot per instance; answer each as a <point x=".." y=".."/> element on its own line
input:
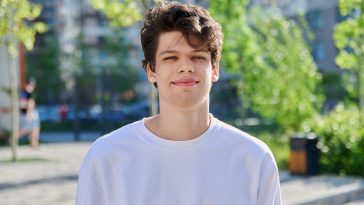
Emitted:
<point x="163" y="77"/>
<point x="207" y="72"/>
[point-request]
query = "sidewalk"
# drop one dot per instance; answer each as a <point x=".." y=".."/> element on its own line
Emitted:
<point x="50" y="177"/>
<point x="321" y="190"/>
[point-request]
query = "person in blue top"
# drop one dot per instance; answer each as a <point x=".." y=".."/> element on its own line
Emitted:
<point x="29" y="117"/>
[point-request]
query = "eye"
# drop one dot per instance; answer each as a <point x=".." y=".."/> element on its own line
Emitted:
<point x="199" y="58"/>
<point x="170" y="58"/>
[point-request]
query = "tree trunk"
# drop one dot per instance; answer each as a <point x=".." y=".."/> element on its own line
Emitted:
<point x="15" y="105"/>
<point x="361" y="95"/>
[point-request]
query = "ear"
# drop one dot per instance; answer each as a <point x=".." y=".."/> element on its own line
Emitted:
<point x="151" y="74"/>
<point x="215" y="74"/>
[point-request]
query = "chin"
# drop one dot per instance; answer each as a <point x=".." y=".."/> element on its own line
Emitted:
<point x="189" y="102"/>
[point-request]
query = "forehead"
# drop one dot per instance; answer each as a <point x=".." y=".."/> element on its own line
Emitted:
<point x="176" y="41"/>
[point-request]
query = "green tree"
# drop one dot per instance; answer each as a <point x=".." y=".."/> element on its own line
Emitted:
<point x="349" y="39"/>
<point x="15" y="29"/>
<point x="270" y="53"/>
<point x="43" y="65"/>
<point x="120" y="14"/>
<point x="123" y="14"/>
<point x="341" y="140"/>
<point x="119" y="48"/>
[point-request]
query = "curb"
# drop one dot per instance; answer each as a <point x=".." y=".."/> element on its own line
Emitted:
<point x="339" y="196"/>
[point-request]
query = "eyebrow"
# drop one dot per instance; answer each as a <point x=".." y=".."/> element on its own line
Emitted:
<point x="174" y="51"/>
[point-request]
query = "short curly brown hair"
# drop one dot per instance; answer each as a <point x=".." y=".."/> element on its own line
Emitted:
<point x="185" y="18"/>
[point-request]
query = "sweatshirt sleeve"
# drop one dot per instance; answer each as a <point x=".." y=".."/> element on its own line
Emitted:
<point x="89" y="190"/>
<point x="269" y="192"/>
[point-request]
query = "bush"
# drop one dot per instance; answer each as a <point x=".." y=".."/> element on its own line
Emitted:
<point x="85" y="125"/>
<point x="341" y="141"/>
<point x="4" y="137"/>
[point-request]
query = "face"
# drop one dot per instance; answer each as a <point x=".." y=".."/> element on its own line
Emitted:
<point x="30" y="87"/>
<point x="184" y="74"/>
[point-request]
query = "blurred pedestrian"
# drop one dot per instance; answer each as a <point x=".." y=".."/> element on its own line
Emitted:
<point x="29" y="117"/>
<point x="63" y="112"/>
<point x="183" y="155"/>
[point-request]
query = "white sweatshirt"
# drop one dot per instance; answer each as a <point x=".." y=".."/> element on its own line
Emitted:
<point x="223" y="166"/>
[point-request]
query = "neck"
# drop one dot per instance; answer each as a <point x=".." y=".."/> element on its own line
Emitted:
<point x="179" y="125"/>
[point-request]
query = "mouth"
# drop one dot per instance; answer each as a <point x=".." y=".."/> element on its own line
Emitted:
<point x="185" y="82"/>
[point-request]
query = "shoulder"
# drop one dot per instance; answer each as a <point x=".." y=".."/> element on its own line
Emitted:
<point x="241" y="140"/>
<point x="248" y="150"/>
<point x="116" y="140"/>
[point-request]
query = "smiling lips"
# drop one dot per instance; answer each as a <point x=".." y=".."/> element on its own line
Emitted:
<point x="188" y="82"/>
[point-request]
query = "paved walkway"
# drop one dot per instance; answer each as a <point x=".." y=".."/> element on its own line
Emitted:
<point x="49" y="176"/>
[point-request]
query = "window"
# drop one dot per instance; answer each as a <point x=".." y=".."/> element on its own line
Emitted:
<point x="339" y="17"/>
<point x="318" y="51"/>
<point x="315" y="19"/>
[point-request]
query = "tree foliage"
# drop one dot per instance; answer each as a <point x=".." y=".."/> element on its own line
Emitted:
<point x="279" y="76"/>
<point x="14" y="23"/>
<point x="125" y="13"/>
<point x="43" y="65"/>
<point x="119" y="48"/>
<point x="341" y="140"/>
<point x="349" y="39"/>
<point x="120" y="14"/>
<point x="15" y="29"/>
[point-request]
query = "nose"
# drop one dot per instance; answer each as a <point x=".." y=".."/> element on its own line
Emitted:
<point x="186" y="66"/>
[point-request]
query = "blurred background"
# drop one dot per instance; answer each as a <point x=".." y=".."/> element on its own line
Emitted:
<point x="285" y="65"/>
<point x="288" y="68"/>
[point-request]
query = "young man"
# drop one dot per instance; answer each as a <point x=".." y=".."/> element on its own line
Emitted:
<point x="183" y="156"/>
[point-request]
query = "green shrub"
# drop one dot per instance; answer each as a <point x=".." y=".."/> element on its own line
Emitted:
<point x="84" y="126"/>
<point x="4" y="136"/>
<point x="341" y="140"/>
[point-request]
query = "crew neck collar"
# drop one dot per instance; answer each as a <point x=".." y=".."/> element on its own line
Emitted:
<point x="150" y="137"/>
